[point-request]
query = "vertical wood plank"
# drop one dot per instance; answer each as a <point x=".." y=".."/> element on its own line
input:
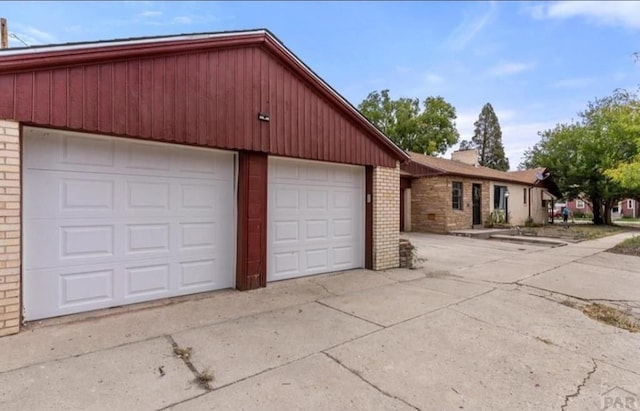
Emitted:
<point x="42" y="97"/>
<point x="7" y="103"/>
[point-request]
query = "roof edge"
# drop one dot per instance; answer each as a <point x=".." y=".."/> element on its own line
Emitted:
<point x="32" y="58"/>
<point x="273" y="41"/>
<point x="84" y="45"/>
<point x="90" y="53"/>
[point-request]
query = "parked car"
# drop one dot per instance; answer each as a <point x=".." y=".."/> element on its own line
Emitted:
<point x="557" y="211"/>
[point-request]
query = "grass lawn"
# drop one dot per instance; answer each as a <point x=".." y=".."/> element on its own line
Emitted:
<point x="630" y="246"/>
<point x="573" y="232"/>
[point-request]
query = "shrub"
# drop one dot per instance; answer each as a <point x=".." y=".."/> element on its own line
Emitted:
<point x="496" y="217"/>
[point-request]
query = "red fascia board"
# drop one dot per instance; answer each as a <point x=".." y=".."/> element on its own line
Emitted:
<point x="98" y="54"/>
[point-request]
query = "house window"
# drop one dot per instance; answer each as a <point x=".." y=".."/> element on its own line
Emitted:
<point x="456" y="195"/>
<point x="524" y="193"/>
<point x="630" y="204"/>
<point x="579" y="204"/>
<point x="499" y="197"/>
<point x="616" y="208"/>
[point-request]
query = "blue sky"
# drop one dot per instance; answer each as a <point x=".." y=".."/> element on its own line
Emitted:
<point x="537" y="63"/>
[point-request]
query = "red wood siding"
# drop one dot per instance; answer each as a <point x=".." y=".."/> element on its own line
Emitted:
<point x="207" y="97"/>
<point x="251" y="269"/>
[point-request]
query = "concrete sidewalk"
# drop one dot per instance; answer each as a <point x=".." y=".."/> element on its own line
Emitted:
<point x="475" y="328"/>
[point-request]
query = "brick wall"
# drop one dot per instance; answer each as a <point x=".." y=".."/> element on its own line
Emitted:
<point x="9" y="227"/>
<point x="386" y="218"/>
<point x="431" y="208"/>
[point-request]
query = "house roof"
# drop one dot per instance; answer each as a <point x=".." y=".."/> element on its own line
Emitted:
<point x="442" y="166"/>
<point x="55" y="55"/>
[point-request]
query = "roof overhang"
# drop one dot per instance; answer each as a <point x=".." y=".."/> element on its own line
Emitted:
<point x="41" y="57"/>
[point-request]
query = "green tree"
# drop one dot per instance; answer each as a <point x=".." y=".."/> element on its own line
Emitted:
<point x="487" y="139"/>
<point x="580" y="154"/>
<point x="625" y="119"/>
<point x="428" y="129"/>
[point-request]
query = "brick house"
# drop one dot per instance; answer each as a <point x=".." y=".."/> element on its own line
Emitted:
<point x="625" y="208"/>
<point x="580" y="206"/>
<point x="141" y="169"/>
<point x="629" y="208"/>
<point x="441" y="195"/>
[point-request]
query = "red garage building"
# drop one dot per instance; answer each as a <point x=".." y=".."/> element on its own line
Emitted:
<point x="141" y="169"/>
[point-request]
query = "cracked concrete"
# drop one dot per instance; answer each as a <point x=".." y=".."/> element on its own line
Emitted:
<point x="580" y="386"/>
<point x="482" y="325"/>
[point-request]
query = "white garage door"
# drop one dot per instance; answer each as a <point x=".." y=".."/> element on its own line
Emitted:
<point x="316" y="218"/>
<point x="111" y="221"/>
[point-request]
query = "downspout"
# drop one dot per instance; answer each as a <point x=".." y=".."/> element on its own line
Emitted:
<point x="530" y="188"/>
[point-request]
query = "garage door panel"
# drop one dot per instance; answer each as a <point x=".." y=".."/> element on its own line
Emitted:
<point x="285" y="264"/>
<point x="147" y="238"/>
<point x="88" y="152"/>
<point x="81" y="288"/>
<point x="147" y="280"/>
<point x="62" y="151"/>
<point x="286" y="199"/>
<point x="315" y="172"/>
<point x="317" y="260"/>
<point x="198" y="196"/>
<point x="148" y="195"/>
<point x="97" y="237"/>
<point x="198" y="236"/>
<point x="198" y="162"/>
<point x="285" y="171"/>
<point x="197" y="273"/>
<point x="343" y="229"/>
<point x="65" y="194"/>
<point x="324" y="231"/>
<point x="49" y="244"/>
<point x="343" y="200"/>
<point x="286" y="232"/>
<point x="346" y="177"/>
<point x="86" y="288"/>
<point x="343" y="256"/>
<point x="317" y="200"/>
<point x="142" y="156"/>
<point x="317" y="230"/>
<point x="81" y="242"/>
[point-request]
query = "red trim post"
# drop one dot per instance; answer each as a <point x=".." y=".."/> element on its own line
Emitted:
<point x="251" y="264"/>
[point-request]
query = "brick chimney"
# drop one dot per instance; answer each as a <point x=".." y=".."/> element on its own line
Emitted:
<point x="469" y="156"/>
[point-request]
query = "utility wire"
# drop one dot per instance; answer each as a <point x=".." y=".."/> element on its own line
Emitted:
<point x="15" y="36"/>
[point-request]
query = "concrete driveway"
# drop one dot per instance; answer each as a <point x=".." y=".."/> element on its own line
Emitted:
<point x="483" y="325"/>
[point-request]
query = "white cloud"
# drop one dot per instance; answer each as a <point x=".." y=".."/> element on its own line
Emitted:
<point x="182" y="20"/>
<point x="403" y="69"/>
<point x="509" y="68"/>
<point x="434" y="78"/>
<point x="150" y="13"/>
<point x="470" y="27"/>
<point x="619" y="75"/>
<point x="466" y="118"/>
<point x="33" y="35"/>
<point x="506" y="115"/>
<point x="73" y="29"/>
<point x="573" y="83"/>
<point x="610" y="13"/>
<point x="30" y="35"/>
<point x="516" y="136"/>
<point x="464" y="123"/>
